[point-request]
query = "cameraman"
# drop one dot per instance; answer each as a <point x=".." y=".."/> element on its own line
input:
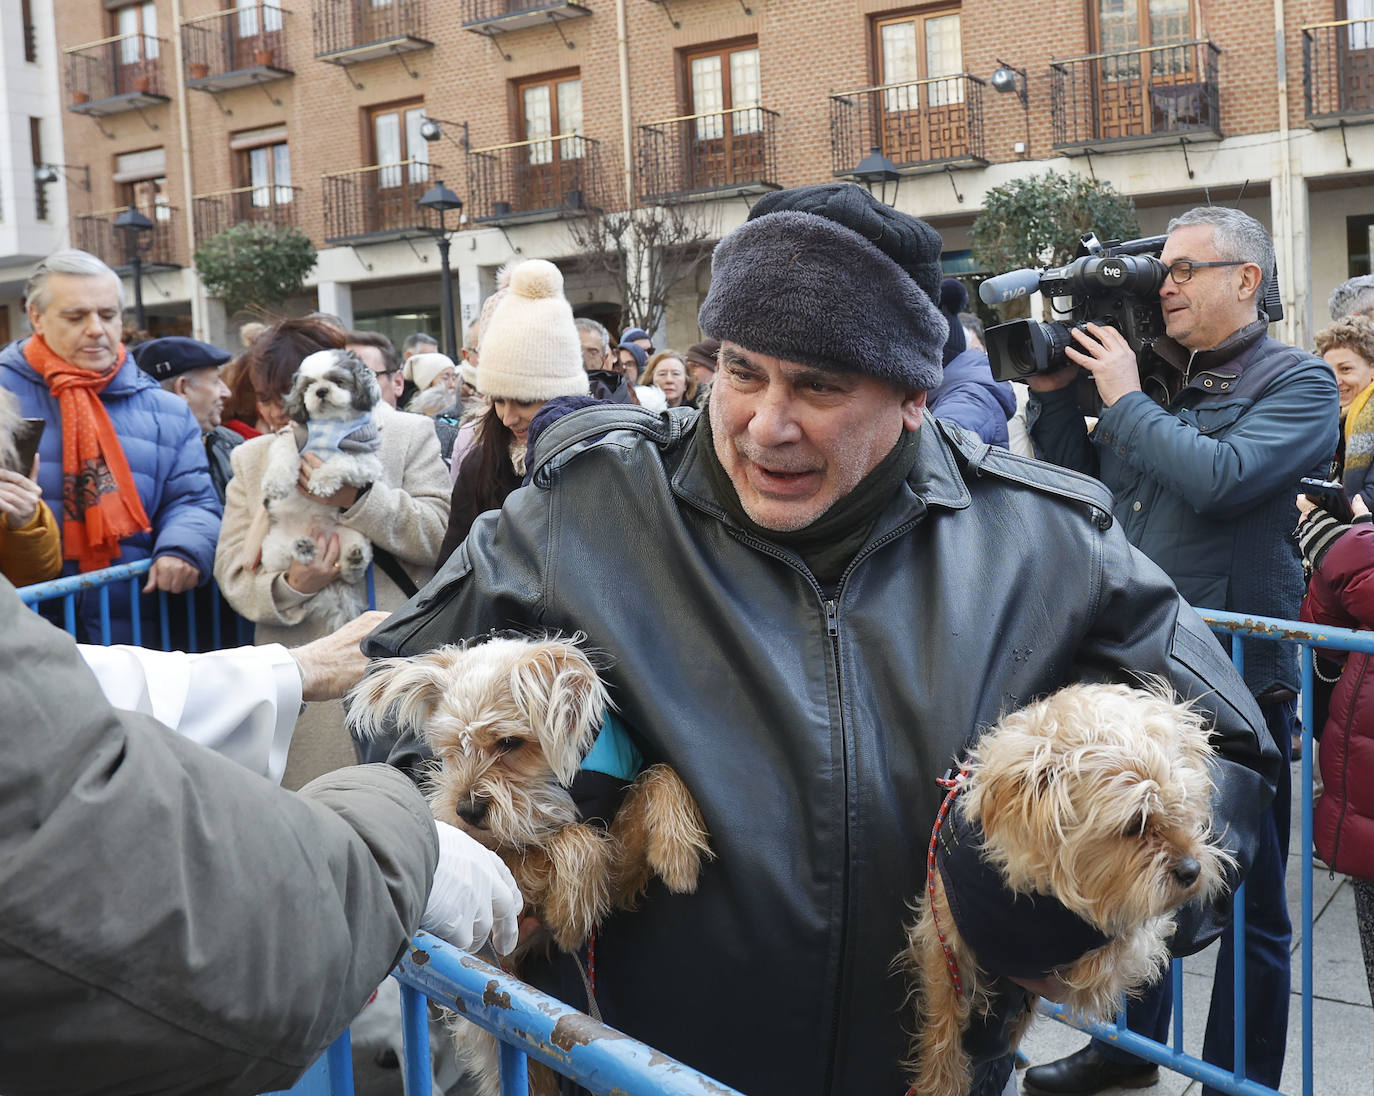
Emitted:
<point x="1204" y="486"/>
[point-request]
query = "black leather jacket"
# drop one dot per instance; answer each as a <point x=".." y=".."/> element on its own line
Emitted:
<point x="812" y="729"/>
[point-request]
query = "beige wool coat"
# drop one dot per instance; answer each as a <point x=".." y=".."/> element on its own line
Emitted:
<point x="406" y="512"/>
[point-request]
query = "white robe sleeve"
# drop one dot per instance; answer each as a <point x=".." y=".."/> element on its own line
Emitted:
<point x="241" y="702"/>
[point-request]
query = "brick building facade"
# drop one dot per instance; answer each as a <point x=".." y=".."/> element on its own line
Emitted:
<point x="201" y="115"/>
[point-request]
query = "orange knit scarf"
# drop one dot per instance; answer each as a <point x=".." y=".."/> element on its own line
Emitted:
<point x="100" y="503"/>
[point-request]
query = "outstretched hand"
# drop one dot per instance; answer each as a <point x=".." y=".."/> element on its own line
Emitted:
<point x="333" y="664"/>
<point x="474" y="895"/>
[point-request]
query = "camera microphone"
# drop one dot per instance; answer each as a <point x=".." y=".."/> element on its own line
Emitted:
<point x="1010" y="286"/>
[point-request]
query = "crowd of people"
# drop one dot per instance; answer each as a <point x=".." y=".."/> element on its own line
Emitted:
<point x="817" y="513"/>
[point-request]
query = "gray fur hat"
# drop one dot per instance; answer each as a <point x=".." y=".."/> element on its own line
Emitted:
<point x="828" y="276"/>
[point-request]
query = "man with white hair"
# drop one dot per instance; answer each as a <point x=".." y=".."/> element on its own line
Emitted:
<point x="1203" y="483"/>
<point x="1352" y="297"/>
<point x="121" y="459"/>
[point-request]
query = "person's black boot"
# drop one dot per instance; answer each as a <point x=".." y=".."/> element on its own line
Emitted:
<point x="1087" y="1072"/>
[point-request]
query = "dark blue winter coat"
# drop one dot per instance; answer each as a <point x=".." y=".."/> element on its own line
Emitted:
<point x="1206" y="486"/>
<point x="969" y="396"/>
<point x="162" y="442"/>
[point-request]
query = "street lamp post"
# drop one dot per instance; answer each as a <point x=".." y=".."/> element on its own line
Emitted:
<point x="875" y="169"/>
<point x="441" y="200"/>
<point x="135" y="227"/>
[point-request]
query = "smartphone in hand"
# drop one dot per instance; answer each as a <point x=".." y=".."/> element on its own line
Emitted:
<point x="26" y="435"/>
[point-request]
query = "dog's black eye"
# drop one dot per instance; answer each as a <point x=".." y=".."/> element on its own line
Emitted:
<point x="506" y="745"/>
<point x="1135" y="827"/>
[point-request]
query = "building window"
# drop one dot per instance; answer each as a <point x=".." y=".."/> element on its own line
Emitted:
<point x="721" y="80"/>
<point x="136" y="25"/>
<point x="142" y="181"/>
<point x="397" y="147"/>
<point x="551" y="107"/>
<point x="921" y="47"/>
<point x="1125" y="26"/>
<point x="40" y="192"/>
<point x="262" y="163"/>
<point x="30" y="37"/>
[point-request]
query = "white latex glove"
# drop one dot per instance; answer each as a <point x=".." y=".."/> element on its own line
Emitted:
<point x="474" y="895"/>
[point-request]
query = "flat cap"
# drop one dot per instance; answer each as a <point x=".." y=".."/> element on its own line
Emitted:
<point x="169" y="357"/>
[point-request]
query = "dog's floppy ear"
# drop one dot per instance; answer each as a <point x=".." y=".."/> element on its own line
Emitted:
<point x="397" y="694"/>
<point x="368" y="393"/>
<point x="294" y="404"/>
<point x="559" y="689"/>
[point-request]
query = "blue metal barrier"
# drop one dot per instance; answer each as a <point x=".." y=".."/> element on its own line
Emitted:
<point x="199" y="619"/>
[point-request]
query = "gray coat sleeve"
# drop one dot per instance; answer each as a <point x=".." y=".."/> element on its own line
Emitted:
<point x="216" y="930"/>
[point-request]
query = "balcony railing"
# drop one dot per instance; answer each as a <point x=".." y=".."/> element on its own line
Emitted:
<point x="534" y="180"/>
<point x="376" y="202"/>
<point x="115" y="74"/>
<point x="498" y="16"/>
<point x="1136" y="97"/>
<point x="351" y="31"/>
<point x="96" y="233"/>
<point x="699" y="154"/>
<point x="268" y="204"/>
<point x="918" y="124"/>
<point x="236" y="46"/>
<point x="1338" y="70"/>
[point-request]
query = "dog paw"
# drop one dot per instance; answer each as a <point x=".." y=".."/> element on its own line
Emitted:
<point x="303" y="549"/>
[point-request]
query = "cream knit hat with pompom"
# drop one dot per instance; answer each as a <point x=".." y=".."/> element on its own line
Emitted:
<point x="529" y="348"/>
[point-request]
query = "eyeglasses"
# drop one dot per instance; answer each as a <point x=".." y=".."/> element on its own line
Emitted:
<point x="1182" y="271"/>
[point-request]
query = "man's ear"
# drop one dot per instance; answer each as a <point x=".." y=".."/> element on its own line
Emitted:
<point x="913" y="408"/>
<point x="1251" y="278"/>
<point x="179" y="384"/>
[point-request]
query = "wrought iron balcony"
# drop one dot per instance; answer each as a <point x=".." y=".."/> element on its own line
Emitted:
<point x="234" y="47"/>
<point x="920" y="125"/>
<point x="1338" y="71"/>
<point x="498" y="16"/>
<point x="1136" y="98"/>
<point x="731" y="151"/>
<point x="534" y="180"/>
<point x="115" y="74"/>
<point x="268" y="204"/>
<point x="369" y="204"/>
<point x="96" y="233"/>
<point x="348" y="32"/>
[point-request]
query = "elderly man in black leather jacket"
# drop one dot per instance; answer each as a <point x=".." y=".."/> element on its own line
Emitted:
<point x="811" y="601"/>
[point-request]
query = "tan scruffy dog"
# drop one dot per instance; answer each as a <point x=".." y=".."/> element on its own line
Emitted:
<point x="510" y="722"/>
<point x="1098" y="797"/>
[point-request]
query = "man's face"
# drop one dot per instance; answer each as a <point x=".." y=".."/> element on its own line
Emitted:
<point x="647" y="345"/>
<point x="82" y="320"/>
<point x="702" y="373"/>
<point x="795" y="439"/>
<point x="592" y="358"/>
<point x="1212" y="305"/>
<point x="625" y="363"/>
<point x="204" y="394"/>
<point x="390" y="383"/>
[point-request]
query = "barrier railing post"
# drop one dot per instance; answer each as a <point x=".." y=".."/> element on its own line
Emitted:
<point x="415" y="1030"/>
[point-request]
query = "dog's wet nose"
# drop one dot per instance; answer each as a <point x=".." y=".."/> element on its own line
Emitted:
<point x="1187" y="870"/>
<point x="322" y="393"/>
<point x="473" y="810"/>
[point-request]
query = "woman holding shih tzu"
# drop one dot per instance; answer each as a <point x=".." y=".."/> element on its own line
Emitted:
<point x="530" y="353"/>
<point x="401" y="514"/>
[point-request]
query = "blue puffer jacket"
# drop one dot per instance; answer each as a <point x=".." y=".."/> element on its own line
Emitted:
<point x="162" y="443"/>
<point x="1205" y="486"/>
<point x="969" y="396"/>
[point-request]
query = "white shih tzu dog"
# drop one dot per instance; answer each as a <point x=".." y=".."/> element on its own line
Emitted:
<point x="330" y="406"/>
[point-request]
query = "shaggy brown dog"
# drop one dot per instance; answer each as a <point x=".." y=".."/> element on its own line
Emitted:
<point x="1098" y="797"/>
<point x="509" y="722"/>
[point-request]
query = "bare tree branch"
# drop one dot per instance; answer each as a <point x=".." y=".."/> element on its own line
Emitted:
<point x="645" y="252"/>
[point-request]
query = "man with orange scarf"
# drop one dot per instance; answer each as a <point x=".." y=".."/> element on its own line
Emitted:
<point x="121" y="460"/>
